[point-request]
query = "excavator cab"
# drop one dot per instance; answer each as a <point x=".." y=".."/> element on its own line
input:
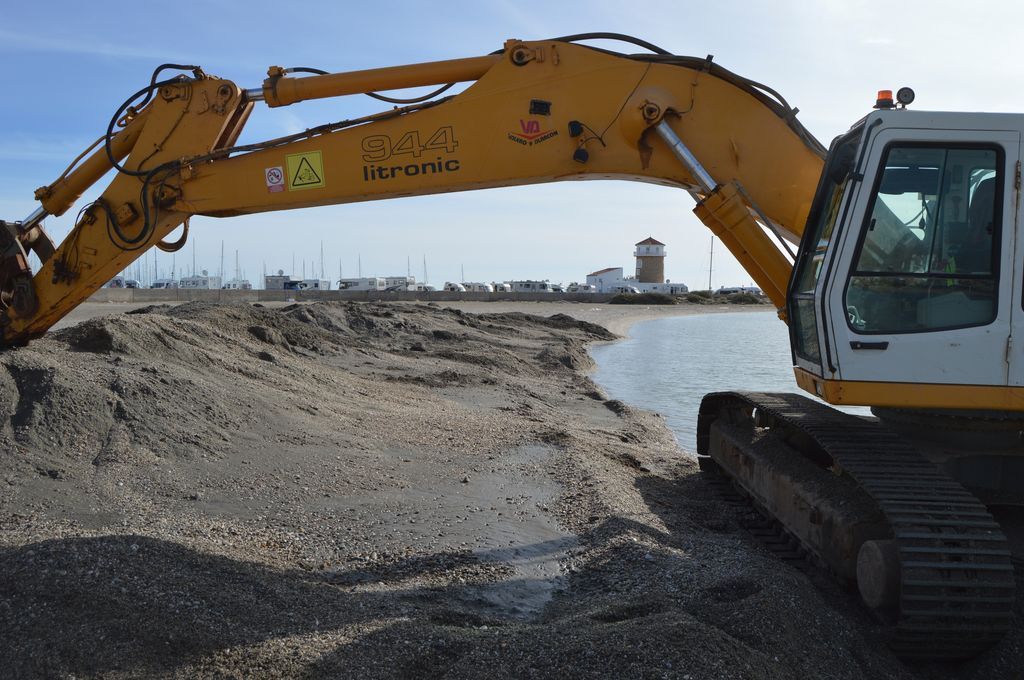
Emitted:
<point x="905" y="296"/>
<point x="903" y="291"/>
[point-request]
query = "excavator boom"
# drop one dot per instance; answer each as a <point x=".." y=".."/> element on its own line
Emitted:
<point x="535" y="112"/>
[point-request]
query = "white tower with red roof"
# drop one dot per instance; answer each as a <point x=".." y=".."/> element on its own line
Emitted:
<point x="650" y="261"/>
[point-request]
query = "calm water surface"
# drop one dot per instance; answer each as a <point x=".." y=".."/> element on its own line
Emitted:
<point x="667" y="365"/>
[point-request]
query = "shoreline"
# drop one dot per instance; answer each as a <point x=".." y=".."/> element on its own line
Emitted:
<point x="616" y="318"/>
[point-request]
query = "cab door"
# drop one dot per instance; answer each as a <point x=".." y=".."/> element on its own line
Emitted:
<point x="1015" y="345"/>
<point x="922" y="288"/>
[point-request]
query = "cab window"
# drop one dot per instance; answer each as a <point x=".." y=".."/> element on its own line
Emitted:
<point x="821" y="225"/>
<point x="928" y="255"/>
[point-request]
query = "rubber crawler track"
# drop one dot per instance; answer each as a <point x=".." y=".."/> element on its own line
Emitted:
<point x="773" y="535"/>
<point x="957" y="578"/>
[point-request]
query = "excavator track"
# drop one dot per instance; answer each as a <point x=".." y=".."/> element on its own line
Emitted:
<point x="956" y="589"/>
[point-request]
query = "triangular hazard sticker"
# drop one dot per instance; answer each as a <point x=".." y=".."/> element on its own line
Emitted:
<point x="305" y="174"/>
<point x="305" y="170"/>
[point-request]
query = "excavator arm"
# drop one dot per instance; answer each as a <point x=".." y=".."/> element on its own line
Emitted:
<point x="534" y="112"/>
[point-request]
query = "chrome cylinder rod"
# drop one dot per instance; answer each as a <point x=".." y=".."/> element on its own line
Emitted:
<point x="686" y="157"/>
<point x="32" y="220"/>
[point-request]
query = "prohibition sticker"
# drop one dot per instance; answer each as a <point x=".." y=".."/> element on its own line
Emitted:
<point x="275" y="179"/>
<point x="305" y="170"/>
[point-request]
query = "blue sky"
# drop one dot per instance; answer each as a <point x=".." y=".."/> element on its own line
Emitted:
<point x="68" y="65"/>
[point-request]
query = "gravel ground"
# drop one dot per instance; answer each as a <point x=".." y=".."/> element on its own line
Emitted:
<point x="379" y="491"/>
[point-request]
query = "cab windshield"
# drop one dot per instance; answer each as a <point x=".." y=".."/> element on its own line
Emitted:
<point x="928" y="252"/>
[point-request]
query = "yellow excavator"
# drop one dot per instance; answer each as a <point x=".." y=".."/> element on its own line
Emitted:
<point x="894" y="256"/>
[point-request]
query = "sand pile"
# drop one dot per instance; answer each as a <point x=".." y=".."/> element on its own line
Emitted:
<point x="365" y="490"/>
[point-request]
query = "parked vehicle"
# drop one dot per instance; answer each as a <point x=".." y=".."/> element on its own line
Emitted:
<point x="581" y="288"/>
<point x="122" y="282"/>
<point x="478" y="287"/>
<point x="530" y="286"/>
<point x="366" y="283"/>
<point x="730" y="290"/>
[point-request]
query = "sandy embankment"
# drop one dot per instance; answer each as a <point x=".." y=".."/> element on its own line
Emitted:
<point x="616" y="318"/>
<point x="378" y="491"/>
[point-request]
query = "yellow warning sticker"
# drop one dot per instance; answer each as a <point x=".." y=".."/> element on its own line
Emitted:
<point x="305" y="170"/>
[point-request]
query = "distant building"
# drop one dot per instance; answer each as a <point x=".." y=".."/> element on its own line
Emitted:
<point x="612" y="280"/>
<point x="650" y="273"/>
<point x="280" y="281"/>
<point x="650" y="261"/>
<point x="605" y="279"/>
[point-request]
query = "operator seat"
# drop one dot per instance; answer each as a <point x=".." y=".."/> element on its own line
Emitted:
<point x="975" y="255"/>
